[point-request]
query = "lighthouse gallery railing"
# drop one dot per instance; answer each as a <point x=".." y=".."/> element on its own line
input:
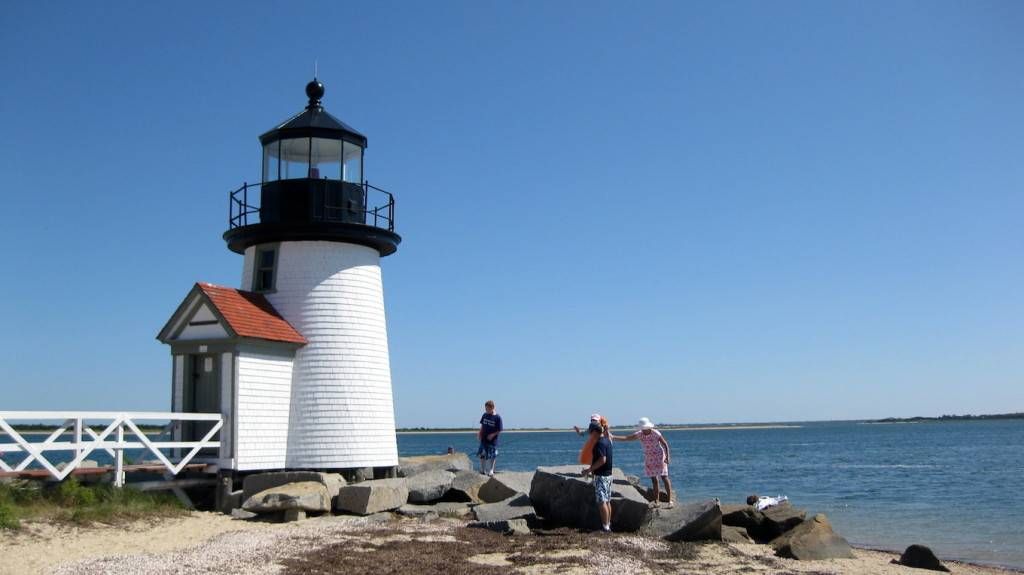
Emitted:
<point x="380" y="206"/>
<point x="85" y="439"/>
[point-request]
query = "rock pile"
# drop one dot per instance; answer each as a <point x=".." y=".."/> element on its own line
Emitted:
<point x="787" y="530"/>
<point x="514" y="502"/>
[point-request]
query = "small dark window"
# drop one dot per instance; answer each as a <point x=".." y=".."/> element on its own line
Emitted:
<point x="263" y="275"/>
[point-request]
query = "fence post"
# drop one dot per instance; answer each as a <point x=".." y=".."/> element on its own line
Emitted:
<point x="119" y="457"/>
<point x="78" y="436"/>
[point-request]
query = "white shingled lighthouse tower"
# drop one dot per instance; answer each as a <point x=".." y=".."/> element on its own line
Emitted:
<point x="303" y="374"/>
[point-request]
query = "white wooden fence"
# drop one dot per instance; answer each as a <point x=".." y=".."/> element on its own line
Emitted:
<point x="85" y="439"/>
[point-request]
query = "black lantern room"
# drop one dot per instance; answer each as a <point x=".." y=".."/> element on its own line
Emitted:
<point x="312" y="187"/>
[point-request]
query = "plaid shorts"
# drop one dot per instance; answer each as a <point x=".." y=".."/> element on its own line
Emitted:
<point x="603" y="488"/>
<point x="487" y="451"/>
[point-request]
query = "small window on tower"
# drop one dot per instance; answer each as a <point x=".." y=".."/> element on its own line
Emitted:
<point x="263" y="274"/>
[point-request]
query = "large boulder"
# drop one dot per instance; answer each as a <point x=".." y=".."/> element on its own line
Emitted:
<point x="429" y="486"/>
<point x="563" y="496"/>
<point x="701" y="521"/>
<point x="253" y="484"/>
<point x="373" y="496"/>
<point x="742" y="516"/>
<point x="515" y="507"/>
<point x="505" y="484"/>
<point x="811" y="540"/>
<point x="731" y="534"/>
<point x="304" y="496"/>
<point x="921" y="557"/>
<point x="776" y="521"/>
<point x="454" y="462"/>
<point x="466" y="487"/>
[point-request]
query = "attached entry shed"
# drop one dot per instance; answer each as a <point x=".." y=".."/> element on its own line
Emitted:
<point x="233" y="354"/>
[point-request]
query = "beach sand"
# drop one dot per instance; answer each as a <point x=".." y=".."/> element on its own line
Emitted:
<point x="213" y="543"/>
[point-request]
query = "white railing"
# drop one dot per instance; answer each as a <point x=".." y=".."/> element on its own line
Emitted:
<point x="85" y="439"/>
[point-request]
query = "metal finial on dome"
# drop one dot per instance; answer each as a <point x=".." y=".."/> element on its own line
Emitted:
<point x="315" y="91"/>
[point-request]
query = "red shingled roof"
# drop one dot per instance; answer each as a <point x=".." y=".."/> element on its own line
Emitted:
<point x="249" y="314"/>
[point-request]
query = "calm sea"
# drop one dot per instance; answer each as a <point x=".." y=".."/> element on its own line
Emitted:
<point x="957" y="487"/>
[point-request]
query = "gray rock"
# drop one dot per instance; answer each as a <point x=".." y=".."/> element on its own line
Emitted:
<point x="466" y="486"/>
<point x="563" y="496"/>
<point x="371" y="497"/>
<point x="516" y="507"/>
<point x="701" y="521"/>
<point x="505" y="484"/>
<point x="442" y="509"/>
<point x="253" y="484"/>
<point x="506" y="527"/>
<point x="732" y="534"/>
<point x="304" y="495"/>
<point x="239" y="513"/>
<point x="429" y="486"/>
<point x="419" y="511"/>
<point x="812" y="540"/>
<point x="410" y="466"/>
<point x="745" y="516"/>
<point x="648" y="493"/>
<point x="776" y="521"/>
<point x="358" y="474"/>
<point x="921" y="557"/>
<point x="453" y="509"/>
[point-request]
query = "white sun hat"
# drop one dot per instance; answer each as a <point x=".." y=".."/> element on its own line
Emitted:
<point x="645" y="423"/>
<point x="595" y="417"/>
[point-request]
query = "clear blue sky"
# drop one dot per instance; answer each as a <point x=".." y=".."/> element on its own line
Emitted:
<point x="697" y="212"/>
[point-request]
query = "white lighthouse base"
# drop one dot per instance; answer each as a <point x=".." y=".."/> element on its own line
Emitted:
<point x="341" y="407"/>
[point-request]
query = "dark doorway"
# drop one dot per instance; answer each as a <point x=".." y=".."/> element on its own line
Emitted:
<point x="202" y="395"/>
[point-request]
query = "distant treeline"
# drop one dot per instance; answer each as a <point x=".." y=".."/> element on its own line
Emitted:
<point x="950" y="418"/>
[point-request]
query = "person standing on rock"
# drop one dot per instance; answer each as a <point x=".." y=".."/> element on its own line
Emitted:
<point x="490" y="428"/>
<point x="601" y="469"/>
<point x="656" y="457"/>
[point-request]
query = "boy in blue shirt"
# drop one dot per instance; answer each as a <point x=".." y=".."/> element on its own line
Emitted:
<point x="490" y="427"/>
<point x="601" y="469"/>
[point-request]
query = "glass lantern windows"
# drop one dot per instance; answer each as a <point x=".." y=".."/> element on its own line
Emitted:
<point x="353" y="163"/>
<point x="271" y="161"/>
<point x="294" y="158"/>
<point x="316" y="158"/>
<point x="325" y="159"/>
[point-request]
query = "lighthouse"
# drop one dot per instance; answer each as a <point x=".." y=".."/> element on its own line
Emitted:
<point x="296" y="357"/>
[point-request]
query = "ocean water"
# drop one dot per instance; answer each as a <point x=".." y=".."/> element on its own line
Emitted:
<point x="957" y="487"/>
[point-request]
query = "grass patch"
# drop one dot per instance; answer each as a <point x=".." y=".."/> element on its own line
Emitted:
<point x="72" y="502"/>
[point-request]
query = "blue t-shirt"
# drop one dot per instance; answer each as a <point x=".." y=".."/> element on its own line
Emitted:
<point x="603" y="448"/>
<point x="489" y="424"/>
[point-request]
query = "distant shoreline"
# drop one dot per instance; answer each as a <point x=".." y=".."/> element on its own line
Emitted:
<point x="944" y="418"/>
<point x="614" y="429"/>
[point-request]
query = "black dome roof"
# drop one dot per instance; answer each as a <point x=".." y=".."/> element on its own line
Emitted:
<point x="314" y="121"/>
